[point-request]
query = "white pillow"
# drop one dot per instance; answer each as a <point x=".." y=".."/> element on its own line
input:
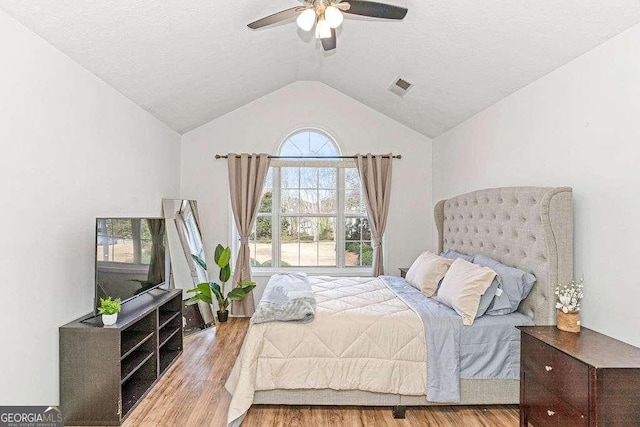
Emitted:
<point x="462" y="287"/>
<point x="427" y="271"/>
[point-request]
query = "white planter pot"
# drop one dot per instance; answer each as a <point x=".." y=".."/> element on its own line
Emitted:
<point x="109" y="319"/>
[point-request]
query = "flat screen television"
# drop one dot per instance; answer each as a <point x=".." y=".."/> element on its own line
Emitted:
<point x="131" y="257"/>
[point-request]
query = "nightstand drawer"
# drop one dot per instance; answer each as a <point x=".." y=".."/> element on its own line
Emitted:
<point x="559" y="373"/>
<point x="546" y="409"/>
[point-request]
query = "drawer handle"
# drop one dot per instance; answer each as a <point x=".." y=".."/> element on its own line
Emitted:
<point x="550" y="412"/>
<point x="548" y="368"/>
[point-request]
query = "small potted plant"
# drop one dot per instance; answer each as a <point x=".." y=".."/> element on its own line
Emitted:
<point x="109" y="308"/>
<point x="568" y="304"/>
<point x="203" y="291"/>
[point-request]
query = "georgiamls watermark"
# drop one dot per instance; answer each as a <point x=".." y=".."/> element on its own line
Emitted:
<point x="30" y="416"/>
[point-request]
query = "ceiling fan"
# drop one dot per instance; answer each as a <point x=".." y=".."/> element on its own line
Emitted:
<point x="326" y="15"/>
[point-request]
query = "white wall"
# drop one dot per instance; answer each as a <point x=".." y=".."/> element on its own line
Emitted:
<point x="71" y="149"/>
<point x="263" y="124"/>
<point x="578" y="126"/>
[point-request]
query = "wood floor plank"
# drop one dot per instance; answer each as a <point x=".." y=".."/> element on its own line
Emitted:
<point x="192" y="394"/>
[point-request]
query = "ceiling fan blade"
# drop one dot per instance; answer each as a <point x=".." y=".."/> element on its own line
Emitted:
<point x="330" y="43"/>
<point x="276" y="17"/>
<point x="376" y="10"/>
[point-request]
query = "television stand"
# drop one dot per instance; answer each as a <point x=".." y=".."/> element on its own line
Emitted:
<point x="106" y="371"/>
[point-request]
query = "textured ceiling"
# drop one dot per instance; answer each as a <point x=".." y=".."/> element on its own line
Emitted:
<point x="188" y="62"/>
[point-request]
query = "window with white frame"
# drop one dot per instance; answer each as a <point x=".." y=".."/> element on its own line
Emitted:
<point x="312" y="212"/>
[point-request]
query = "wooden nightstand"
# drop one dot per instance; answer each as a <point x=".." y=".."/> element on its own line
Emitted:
<point x="403" y="271"/>
<point x="577" y="379"/>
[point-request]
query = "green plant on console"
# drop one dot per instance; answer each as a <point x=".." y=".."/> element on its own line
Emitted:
<point x="205" y="291"/>
<point x="109" y="306"/>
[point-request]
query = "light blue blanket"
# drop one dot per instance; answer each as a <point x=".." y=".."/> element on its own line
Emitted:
<point x="490" y="348"/>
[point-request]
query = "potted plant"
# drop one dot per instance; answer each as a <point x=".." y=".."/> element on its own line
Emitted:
<point x="109" y="308"/>
<point x="203" y="291"/>
<point x="568" y="304"/>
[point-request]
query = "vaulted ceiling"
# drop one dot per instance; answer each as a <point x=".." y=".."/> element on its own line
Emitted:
<point x="188" y="62"/>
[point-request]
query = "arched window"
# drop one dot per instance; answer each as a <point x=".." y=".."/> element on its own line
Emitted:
<point x="312" y="211"/>
<point x="309" y="143"/>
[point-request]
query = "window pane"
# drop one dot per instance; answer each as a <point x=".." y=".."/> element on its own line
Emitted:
<point x="320" y="144"/>
<point x="358" y="254"/>
<point x="351" y="178"/>
<point x="327" y="244"/>
<point x="266" y="202"/>
<point x="352" y="203"/>
<point x="294" y="146"/>
<point x="289" y="245"/>
<point x="328" y="203"/>
<point x="308" y="229"/>
<point x="352" y="229"/>
<point x="261" y="242"/>
<point x="263" y="229"/>
<point x="268" y="182"/>
<point x="327" y="149"/>
<point x="327" y="178"/>
<point x="308" y="201"/>
<point x="308" y="253"/>
<point x="290" y="201"/>
<point x="308" y="177"/>
<point x="290" y="177"/>
<point x="261" y="257"/>
<point x="366" y="231"/>
<point x="308" y="241"/>
<point x="352" y="254"/>
<point x="366" y="258"/>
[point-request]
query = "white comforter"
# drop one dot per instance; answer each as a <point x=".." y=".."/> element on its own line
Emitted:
<point x="363" y="338"/>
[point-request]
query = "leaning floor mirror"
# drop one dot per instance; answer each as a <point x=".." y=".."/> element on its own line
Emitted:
<point x="184" y="240"/>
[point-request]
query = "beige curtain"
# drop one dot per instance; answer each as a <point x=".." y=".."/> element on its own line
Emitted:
<point x="247" y="173"/>
<point x="375" y="174"/>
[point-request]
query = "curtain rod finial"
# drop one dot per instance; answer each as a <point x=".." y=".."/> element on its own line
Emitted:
<point x="399" y="156"/>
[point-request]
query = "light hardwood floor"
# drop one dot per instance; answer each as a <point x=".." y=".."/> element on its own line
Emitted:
<point x="193" y="394"/>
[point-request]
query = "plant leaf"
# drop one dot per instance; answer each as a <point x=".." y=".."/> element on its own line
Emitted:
<point x="225" y="273"/>
<point x="199" y="261"/>
<point x="192" y="300"/>
<point x="224" y="258"/>
<point x="202" y="293"/>
<point x="218" y="253"/>
<point x="236" y="294"/>
<point x="215" y="288"/>
<point x="204" y="288"/>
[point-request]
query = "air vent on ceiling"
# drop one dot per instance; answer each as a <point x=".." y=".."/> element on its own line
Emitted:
<point x="400" y="87"/>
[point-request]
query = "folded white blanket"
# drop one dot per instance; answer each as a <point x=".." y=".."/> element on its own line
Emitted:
<point x="287" y="298"/>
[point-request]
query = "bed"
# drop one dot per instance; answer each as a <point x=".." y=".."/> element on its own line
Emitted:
<point x="530" y="228"/>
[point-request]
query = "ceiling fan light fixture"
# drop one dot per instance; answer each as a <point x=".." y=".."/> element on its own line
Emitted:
<point x="334" y="16"/>
<point x="306" y="19"/>
<point x="323" y="30"/>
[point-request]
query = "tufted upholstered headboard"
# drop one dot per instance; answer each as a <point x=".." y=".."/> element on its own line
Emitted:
<point x="530" y="228"/>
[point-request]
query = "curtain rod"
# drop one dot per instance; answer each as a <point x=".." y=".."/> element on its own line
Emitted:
<point x="397" y="156"/>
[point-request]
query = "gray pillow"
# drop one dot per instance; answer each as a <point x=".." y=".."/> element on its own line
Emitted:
<point x="455" y="255"/>
<point x="487" y="299"/>
<point x="515" y="284"/>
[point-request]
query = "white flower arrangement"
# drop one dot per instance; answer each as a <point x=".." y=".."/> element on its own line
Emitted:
<point x="569" y="296"/>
